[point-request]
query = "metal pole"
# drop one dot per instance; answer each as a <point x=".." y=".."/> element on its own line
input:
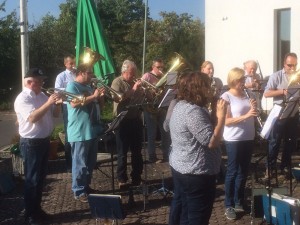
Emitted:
<point x="24" y="38"/>
<point x="145" y="32"/>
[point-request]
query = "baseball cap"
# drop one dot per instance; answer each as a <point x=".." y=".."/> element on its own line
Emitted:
<point x="35" y="72"/>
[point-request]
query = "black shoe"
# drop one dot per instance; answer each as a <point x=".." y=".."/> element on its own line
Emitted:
<point x="90" y="190"/>
<point x="30" y="220"/>
<point x="41" y="215"/>
<point x="136" y="182"/>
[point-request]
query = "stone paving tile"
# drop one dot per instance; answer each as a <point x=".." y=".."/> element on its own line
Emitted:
<point x="153" y="209"/>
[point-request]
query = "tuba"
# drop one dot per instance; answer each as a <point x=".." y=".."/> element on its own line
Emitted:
<point x="177" y="65"/>
<point x="90" y="57"/>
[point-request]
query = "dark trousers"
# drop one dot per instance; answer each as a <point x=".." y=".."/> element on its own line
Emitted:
<point x="129" y="136"/>
<point x="67" y="147"/>
<point x="285" y="129"/>
<point x="239" y="157"/>
<point x="193" y="202"/>
<point x="35" y="155"/>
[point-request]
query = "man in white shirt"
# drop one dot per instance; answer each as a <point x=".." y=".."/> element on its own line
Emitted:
<point x="35" y="113"/>
<point x="61" y="82"/>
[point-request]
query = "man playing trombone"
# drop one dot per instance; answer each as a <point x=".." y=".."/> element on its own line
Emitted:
<point x="155" y="117"/>
<point x="83" y="125"/>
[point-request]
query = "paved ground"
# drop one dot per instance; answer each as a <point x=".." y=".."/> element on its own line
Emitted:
<point x="148" y="207"/>
<point x="152" y="208"/>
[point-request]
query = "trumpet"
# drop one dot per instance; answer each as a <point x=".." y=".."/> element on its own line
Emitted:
<point x="111" y="93"/>
<point x="69" y="97"/>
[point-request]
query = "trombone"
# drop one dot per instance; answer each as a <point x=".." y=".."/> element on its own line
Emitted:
<point x="111" y="93"/>
<point x="67" y="96"/>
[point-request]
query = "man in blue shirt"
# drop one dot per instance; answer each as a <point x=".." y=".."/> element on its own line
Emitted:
<point x="61" y="82"/>
<point x="83" y="121"/>
<point x="283" y="128"/>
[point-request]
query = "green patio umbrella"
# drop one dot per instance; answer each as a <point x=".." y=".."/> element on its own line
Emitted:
<point x="90" y="34"/>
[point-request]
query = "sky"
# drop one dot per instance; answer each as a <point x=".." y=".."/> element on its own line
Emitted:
<point x="39" y="8"/>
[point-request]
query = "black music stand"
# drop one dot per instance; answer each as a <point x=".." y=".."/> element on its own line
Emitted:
<point x="168" y="97"/>
<point x="106" y="207"/>
<point x="114" y="125"/>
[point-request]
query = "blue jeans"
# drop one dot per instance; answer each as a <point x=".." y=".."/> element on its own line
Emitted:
<point x="239" y="157"/>
<point x="154" y="120"/>
<point x="84" y="155"/>
<point x="286" y="129"/>
<point x="67" y="147"/>
<point x="196" y="195"/>
<point x="129" y="136"/>
<point x="35" y="154"/>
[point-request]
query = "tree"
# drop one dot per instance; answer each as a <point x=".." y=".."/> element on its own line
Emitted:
<point x="9" y="53"/>
<point x="123" y="25"/>
<point x="51" y="39"/>
<point x="176" y="33"/>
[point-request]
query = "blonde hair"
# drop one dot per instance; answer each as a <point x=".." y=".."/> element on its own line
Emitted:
<point x="234" y="76"/>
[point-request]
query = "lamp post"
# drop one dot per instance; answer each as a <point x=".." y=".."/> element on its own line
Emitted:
<point x="145" y="32"/>
<point x="24" y="38"/>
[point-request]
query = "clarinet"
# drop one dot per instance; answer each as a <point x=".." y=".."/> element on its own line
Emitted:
<point x="259" y="121"/>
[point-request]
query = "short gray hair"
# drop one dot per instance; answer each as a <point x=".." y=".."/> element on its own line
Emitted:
<point x="250" y="62"/>
<point x="126" y="64"/>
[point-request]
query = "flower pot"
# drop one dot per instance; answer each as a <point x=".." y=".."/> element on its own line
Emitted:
<point x="53" y="149"/>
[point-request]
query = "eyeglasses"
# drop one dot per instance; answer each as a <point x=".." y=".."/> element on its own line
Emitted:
<point x="291" y="65"/>
<point x="159" y="67"/>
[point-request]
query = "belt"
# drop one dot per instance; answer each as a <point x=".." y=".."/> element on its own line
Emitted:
<point x="36" y="140"/>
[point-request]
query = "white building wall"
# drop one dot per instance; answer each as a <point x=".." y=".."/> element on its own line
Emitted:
<point x="239" y="30"/>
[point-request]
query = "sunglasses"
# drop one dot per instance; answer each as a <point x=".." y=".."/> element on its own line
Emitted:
<point x="291" y="65"/>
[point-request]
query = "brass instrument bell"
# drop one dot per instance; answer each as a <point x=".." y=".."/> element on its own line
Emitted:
<point x="294" y="78"/>
<point x="90" y="57"/>
<point x="177" y="63"/>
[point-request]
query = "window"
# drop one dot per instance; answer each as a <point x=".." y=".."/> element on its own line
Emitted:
<point x="283" y="36"/>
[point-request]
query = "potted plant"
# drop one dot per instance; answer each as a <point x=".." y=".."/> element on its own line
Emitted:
<point x="55" y="141"/>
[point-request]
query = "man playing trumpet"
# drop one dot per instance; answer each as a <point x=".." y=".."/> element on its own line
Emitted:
<point x="35" y="113"/>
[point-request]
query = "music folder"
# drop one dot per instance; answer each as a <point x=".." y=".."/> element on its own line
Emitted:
<point x="115" y="123"/>
<point x="273" y="116"/>
<point x="168" y="97"/>
<point x="106" y="206"/>
<point x="292" y="102"/>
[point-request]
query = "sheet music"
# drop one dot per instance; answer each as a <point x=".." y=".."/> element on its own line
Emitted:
<point x="169" y="96"/>
<point x="171" y="78"/>
<point x="273" y="116"/>
<point x="292" y="103"/>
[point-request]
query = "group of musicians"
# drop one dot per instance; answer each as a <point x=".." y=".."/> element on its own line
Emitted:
<point x="195" y="131"/>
